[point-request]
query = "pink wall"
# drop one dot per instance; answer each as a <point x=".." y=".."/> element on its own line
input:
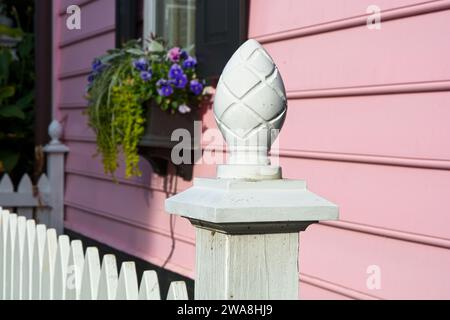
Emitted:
<point x="367" y="128"/>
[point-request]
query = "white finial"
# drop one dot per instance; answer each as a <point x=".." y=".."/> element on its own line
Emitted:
<point x="55" y="132"/>
<point x="250" y="108"/>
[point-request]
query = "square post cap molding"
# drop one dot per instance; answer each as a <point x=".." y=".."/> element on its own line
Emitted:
<point x="249" y="196"/>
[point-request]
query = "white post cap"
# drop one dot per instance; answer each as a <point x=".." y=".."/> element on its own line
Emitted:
<point x="250" y="196"/>
<point x="250" y="108"/>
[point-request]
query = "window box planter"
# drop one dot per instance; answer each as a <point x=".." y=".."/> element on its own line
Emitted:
<point x="156" y="144"/>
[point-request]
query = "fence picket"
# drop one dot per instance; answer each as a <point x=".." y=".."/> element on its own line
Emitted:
<point x="17" y="275"/>
<point x="4" y="226"/>
<point x="27" y="274"/>
<point x="74" y="270"/>
<point x="107" y="287"/>
<point x="91" y="275"/>
<point x="37" y="264"/>
<point x="127" y="288"/>
<point x="149" y="288"/>
<point x="177" y="291"/>
<point x="25" y="188"/>
<point x="6" y="184"/>
<point x="38" y="258"/>
<point x="6" y="187"/>
<point x="10" y="246"/>
<point x="62" y="260"/>
<point x="48" y="265"/>
<point x="43" y="212"/>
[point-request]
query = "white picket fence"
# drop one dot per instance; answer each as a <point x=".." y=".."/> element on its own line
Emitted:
<point x="47" y="201"/>
<point x="36" y="263"/>
<point x="27" y="202"/>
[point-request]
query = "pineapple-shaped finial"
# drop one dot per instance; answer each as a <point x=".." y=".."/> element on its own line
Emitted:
<point x="250" y="105"/>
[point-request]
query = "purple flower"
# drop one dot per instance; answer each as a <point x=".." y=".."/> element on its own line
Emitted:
<point x="184" y="109"/>
<point x="196" y="87"/>
<point x="91" y="78"/>
<point x="180" y="82"/>
<point x="175" y="71"/>
<point x="165" y="89"/>
<point x="162" y="82"/>
<point x="183" y="54"/>
<point x="140" y="64"/>
<point x="174" y="54"/>
<point x="146" y="75"/>
<point x="189" y="63"/>
<point x="97" y="66"/>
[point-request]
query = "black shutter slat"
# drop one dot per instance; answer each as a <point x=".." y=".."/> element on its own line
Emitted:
<point x="126" y="21"/>
<point x="221" y="27"/>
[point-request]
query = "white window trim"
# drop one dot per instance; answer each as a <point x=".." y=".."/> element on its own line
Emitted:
<point x="149" y="18"/>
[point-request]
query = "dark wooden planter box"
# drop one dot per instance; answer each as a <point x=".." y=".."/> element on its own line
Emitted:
<point x="156" y="145"/>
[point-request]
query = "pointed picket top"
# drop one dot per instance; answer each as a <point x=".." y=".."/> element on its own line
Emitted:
<point x="74" y="270"/>
<point x="43" y="183"/>
<point x="48" y="265"/>
<point x="18" y="258"/>
<point x="127" y="288"/>
<point x="177" y="291"/>
<point x="62" y="260"/>
<point x="91" y="275"/>
<point x="149" y="288"/>
<point x="25" y="185"/>
<point x="107" y="288"/>
<point x="6" y="184"/>
<point x="30" y="238"/>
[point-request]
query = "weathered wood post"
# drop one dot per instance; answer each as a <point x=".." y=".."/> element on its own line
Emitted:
<point x="248" y="219"/>
<point x="55" y="170"/>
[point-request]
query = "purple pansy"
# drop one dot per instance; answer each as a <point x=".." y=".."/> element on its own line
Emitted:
<point x="91" y="78"/>
<point x="175" y="71"/>
<point x="97" y="66"/>
<point x="146" y="75"/>
<point x="165" y="89"/>
<point x="162" y="82"/>
<point x="180" y="82"/>
<point x="140" y="64"/>
<point x="189" y="63"/>
<point x="183" y="54"/>
<point x="196" y="87"/>
<point x="174" y="54"/>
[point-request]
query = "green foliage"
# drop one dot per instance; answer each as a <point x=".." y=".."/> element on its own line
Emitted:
<point x="117" y="92"/>
<point x="17" y="93"/>
<point x="11" y="32"/>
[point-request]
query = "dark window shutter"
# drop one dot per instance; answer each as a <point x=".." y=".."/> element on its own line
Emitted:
<point x="221" y="27"/>
<point x="126" y="21"/>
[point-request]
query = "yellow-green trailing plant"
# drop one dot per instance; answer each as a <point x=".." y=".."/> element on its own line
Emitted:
<point x="120" y="83"/>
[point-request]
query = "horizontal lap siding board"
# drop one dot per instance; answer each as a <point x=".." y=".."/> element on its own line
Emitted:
<point x="367" y="128"/>
<point x="136" y="223"/>
<point x="408" y="270"/>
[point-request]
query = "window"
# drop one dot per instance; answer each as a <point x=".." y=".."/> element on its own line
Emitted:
<point x="173" y="20"/>
<point x="210" y="29"/>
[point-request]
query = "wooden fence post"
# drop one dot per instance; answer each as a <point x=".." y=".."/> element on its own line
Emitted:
<point x="248" y="219"/>
<point x="55" y="170"/>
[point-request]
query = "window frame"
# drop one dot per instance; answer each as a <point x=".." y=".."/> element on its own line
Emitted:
<point x="149" y="17"/>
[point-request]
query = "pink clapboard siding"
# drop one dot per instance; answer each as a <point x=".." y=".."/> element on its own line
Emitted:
<point x="367" y="127"/>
